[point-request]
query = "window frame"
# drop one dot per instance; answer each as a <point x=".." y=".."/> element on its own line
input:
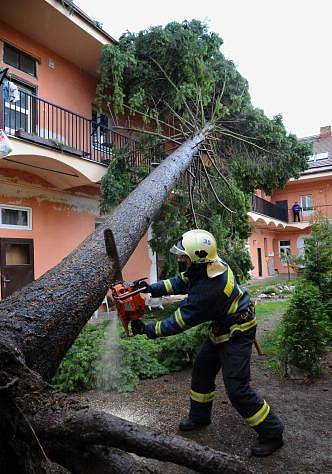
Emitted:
<point x="303" y="199"/>
<point x="16" y="208"/>
<point x="98" y="135"/>
<point x="29" y="112"/>
<point x="284" y="247"/>
<point x="20" y="55"/>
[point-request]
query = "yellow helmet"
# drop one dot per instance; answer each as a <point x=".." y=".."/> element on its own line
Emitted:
<point x="199" y="245"/>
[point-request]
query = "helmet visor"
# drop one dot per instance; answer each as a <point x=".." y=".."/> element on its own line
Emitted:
<point x="178" y="248"/>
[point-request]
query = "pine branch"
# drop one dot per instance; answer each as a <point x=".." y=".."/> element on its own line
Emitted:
<point x="148" y="132"/>
<point x="214" y="191"/>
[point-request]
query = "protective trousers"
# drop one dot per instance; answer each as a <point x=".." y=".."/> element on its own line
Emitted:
<point x="233" y="357"/>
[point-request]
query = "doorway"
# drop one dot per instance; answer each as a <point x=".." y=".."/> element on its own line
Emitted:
<point x="16" y="264"/>
<point x="259" y="253"/>
<point x="283" y="210"/>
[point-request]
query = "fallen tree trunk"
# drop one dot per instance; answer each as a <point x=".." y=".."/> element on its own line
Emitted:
<point x="42" y="321"/>
<point x="99" y="460"/>
<point x="88" y="427"/>
<point x="47" y="424"/>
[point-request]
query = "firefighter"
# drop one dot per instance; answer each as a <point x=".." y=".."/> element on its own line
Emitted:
<point x="214" y="295"/>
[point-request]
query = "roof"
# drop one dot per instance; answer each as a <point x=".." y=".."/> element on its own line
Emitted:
<point x="86" y="17"/>
<point x="322" y="153"/>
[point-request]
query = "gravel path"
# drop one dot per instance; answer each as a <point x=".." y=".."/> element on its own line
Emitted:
<point x="305" y="408"/>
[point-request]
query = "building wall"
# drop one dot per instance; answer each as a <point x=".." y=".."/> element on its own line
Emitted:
<point x="61" y="219"/>
<point x="321" y="192"/>
<point x="268" y="241"/>
<point x="262" y="239"/>
<point x="60" y="222"/>
<point x="65" y="85"/>
<point x="139" y="264"/>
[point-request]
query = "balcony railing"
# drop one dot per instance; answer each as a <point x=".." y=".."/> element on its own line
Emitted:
<point x="267" y="208"/>
<point x="309" y="215"/>
<point x="40" y="121"/>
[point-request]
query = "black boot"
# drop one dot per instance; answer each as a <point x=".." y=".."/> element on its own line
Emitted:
<point x="188" y="424"/>
<point x="265" y="447"/>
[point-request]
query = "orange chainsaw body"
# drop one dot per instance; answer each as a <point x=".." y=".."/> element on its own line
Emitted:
<point x="129" y="303"/>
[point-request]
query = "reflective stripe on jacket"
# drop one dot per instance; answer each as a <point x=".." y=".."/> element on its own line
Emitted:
<point x="219" y="300"/>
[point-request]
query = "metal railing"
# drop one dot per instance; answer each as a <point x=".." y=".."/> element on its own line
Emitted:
<point x="40" y="121"/>
<point x="309" y="215"/>
<point x="267" y="208"/>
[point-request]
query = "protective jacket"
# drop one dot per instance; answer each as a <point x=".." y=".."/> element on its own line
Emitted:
<point x="219" y="299"/>
<point x="215" y="296"/>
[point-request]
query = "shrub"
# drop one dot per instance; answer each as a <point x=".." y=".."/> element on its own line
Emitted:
<point x="305" y="330"/>
<point x="76" y="371"/>
<point x="119" y="366"/>
<point x="318" y="260"/>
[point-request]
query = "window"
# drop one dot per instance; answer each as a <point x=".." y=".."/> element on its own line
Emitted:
<point x="101" y="130"/>
<point x="21" y="114"/>
<point x="99" y="221"/>
<point x="284" y="247"/>
<point x="306" y="203"/>
<point x="318" y="156"/>
<point x="16" y="58"/>
<point x="18" y="254"/>
<point x="301" y="245"/>
<point x="12" y="217"/>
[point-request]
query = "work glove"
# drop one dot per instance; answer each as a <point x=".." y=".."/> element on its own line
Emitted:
<point x="145" y="287"/>
<point x="137" y="327"/>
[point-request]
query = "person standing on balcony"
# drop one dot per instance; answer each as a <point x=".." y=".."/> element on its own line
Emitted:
<point x="214" y="295"/>
<point x="296" y="208"/>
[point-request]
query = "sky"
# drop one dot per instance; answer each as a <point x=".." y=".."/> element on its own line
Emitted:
<point x="282" y="47"/>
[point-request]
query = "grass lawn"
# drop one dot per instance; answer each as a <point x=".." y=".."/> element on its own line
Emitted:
<point x="268" y="308"/>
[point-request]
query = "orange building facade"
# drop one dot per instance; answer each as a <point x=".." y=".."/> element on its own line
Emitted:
<point x="61" y="144"/>
<point x="276" y="229"/>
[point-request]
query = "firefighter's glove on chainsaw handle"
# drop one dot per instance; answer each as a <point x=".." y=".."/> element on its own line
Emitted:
<point x="138" y="327"/>
<point x="145" y="287"/>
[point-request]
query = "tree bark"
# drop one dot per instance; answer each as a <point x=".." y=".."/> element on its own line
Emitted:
<point x="39" y="324"/>
<point x="88" y="459"/>
<point x="42" y="321"/>
<point x="88" y="428"/>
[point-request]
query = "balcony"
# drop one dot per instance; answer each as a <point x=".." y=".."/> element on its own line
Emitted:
<point x="309" y="214"/>
<point x="41" y="122"/>
<point x="267" y="208"/>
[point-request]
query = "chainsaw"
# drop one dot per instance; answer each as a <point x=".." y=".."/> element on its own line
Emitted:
<point x="129" y="302"/>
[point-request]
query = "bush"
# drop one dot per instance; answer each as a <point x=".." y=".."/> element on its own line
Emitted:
<point x="93" y="362"/>
<point x="305" y="330"/>
<point x="318" y="260"/>
<point x="76" y="371"/>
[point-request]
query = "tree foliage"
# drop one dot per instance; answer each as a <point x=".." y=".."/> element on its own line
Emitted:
<point x="318" y="260"/>
<point x="178" y="72"/>
<point x="307" y="325"/>
<point x="176" y="79"/>
<point x="119" y="180"/>
<point x="305" y="330"/>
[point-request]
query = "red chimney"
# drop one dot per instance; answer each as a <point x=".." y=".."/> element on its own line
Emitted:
<point x="325" y="132"/>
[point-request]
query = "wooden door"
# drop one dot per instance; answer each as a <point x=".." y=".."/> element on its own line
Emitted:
<point x="16" y="264"/>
